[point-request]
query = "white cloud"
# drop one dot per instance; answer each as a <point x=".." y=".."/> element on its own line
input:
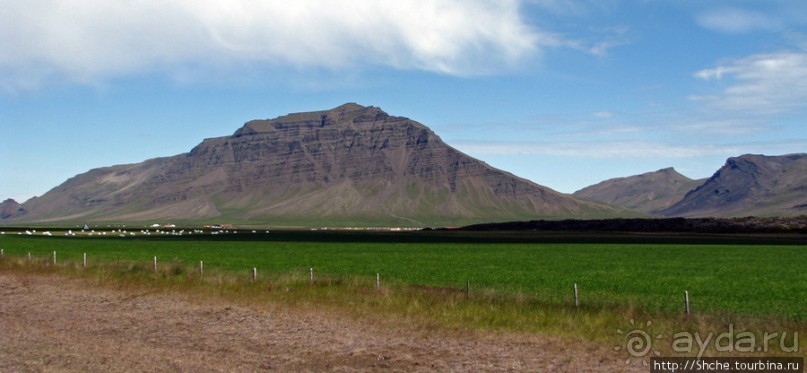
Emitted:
<point x="604" y="114"/>
<point x="725" y="127"/>
<point x="736" y="21"/>
<point x="577" y="8"/>
<point x="605" y="40"/>
<point x="765" y="83"/>
<point x="633" y="149"/>
<point x="89" y="40"/>
<point x="597" y="149"/>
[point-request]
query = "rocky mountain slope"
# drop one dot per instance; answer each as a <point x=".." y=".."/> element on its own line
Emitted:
<point x="352" y="165"/>
<point x="11" y="209"/>
<point x="750" y="185"/>
<point x="649" y="192"/>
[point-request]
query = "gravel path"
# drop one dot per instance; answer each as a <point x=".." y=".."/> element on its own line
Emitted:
<point x="50" y="323"/>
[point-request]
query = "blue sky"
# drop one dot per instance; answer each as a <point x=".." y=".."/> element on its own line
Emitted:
<point x="564" y="93"/>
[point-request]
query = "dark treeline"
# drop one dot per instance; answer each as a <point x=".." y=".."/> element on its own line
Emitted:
<point x="694" y="225"/>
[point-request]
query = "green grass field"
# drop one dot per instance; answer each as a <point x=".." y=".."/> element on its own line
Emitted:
<point x="722" y="276"/>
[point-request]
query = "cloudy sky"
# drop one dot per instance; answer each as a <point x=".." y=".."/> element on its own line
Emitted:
<point x="564" y="93"/>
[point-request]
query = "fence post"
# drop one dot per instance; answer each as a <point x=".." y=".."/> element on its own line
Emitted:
<point x="155" y="264"/>
<point x="85" y="260"/>
<point x="201" y="268"/>
<point x="29" y="256"/>
<point x="468" y="289"/>
<point x="254" y="274"/>
<point x="311" y="276"/>
<point x="378" y="282"/>
<point x="54" y="257"/>
<point x="576" y="297"/>
<point x="2" y="253"/>
<point x="686" y="303"/>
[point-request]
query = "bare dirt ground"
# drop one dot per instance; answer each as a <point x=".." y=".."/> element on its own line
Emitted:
<point x="50" y="323"/>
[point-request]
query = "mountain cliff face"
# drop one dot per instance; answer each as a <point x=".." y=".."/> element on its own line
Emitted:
<point x="649" y="192"/>
<point x="750" y="185"/>
<point x="351" y="165"/>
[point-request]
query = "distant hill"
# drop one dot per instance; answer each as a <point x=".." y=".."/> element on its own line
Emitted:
<point x="349" y="166"/>
<point x="750" y="184"/>
<point x="11" y="209"/>
<point x="649" y="192"/>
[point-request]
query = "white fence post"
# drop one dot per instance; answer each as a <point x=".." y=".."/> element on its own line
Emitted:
<point x="686" y="303"/>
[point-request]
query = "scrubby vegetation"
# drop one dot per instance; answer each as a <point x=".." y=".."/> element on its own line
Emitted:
<point x="749" y="224"/>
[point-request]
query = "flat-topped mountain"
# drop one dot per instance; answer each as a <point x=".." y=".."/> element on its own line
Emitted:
<point x="750" y="185"/>
<point x="649" y="192"/>
<point x="352" y="165"/>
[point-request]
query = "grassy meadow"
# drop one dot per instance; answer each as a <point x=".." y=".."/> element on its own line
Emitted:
<point x="516" y="283"/>
<point x="763" y="280"/>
